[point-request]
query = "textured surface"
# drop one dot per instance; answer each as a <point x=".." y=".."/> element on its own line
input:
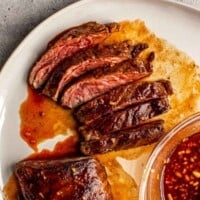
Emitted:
<point x="19" y="17"/>
<point x="75" y="179"/>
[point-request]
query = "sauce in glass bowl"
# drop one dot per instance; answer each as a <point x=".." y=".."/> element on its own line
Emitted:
<point x="181" y="174"/>
<point x="173" y="169"/>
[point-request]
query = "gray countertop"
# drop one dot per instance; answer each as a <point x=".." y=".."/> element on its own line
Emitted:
<point x="19" y="17"/>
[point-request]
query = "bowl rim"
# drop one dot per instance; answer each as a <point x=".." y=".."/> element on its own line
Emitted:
<point x="159" y="146"/>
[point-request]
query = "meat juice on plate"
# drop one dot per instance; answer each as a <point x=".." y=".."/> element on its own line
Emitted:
<point x="42" y="119"/>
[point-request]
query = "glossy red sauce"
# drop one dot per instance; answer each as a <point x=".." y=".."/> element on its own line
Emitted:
<point x="182" y="172"/>
<point x="42" y="119"/>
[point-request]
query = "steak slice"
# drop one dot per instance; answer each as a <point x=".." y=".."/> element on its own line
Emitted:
<point x="87" y="60"/>
<point x="121" y="97"/>
<point x="102" y="80"/>
<point x="76" y="179"/>
<point x="142" y="135"/>
<point x="124" y="119"/>
<point x="75" y="39"/>
<point x="82" y="29"/>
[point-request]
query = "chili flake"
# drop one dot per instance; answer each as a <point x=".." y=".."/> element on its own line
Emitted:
<point x="182" y="172"/>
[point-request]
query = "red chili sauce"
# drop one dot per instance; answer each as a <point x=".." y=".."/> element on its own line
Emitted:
<point x="182" y="172"/>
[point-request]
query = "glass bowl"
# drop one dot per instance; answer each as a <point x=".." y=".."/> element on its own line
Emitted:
<point x="152" y="180"/>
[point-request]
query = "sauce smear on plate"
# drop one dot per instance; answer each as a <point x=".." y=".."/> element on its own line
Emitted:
<point x="42" y="119"/>
<point x="182" y="172"/>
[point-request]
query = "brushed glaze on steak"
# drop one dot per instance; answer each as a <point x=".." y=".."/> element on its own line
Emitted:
<point x="75" y="179"/>
<point x="121" y="97"/>
<point x="124" y="119"/>
<point x="125" y="139"/>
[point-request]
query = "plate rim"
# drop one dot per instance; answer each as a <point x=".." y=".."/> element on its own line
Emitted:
<point x="6" y="68"/>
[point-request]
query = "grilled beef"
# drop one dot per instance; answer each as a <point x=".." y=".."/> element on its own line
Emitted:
<point x="87" y="60"/>
<point x="77" y="179"/>
<point x="102" y="80"/>
<point x="134" y="137"/>
<point x="73" y="40"/>
<point x="121" y="120"/>
<point x="85" y="28"/>
<point x="121" y="97"/>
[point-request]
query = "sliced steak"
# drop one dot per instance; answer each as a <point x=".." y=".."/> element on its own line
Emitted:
<point x="122" y="97"/>
<point x="83" y="29"/>
<point x="87" y="60"/>
<point x="124" y="119"/>
<point x="75" y="179"/>
<point x="142" y="135"/>
<point x="78" y="38"/>
<point x="102" y="80"/>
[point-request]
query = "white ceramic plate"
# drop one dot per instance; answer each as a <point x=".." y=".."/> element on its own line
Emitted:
<point x="178" y="24"/>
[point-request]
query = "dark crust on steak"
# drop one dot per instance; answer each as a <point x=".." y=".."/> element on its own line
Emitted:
<point x="75" y="179"/>
<point x="134" y="137"/>
<point x="124" y="119"/>
<point x="121" y="97"/>
<point x="74" y="40"/>
<point x="101" y="80"/>
<point x="90" y="59"/>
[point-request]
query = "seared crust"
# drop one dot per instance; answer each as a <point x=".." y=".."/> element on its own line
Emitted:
<point x="74" y="179"/>
<point x="121" y="97"/>
<point x="125" y="119"/>
<point x="134" y="137"/>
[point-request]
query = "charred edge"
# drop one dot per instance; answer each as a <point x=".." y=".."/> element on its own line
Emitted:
<point x="82" y="113"/>
<point x="168" y="87"/>
<point x="151" y="57"/>
<point x="113" y="27"/>
<point x="141" y="135"/>
<point x="138" y="48"/>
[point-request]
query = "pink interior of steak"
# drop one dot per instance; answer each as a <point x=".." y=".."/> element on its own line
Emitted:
<point x="82" y="37"/>
<point x="101" y="80"/>
<point x="83" y="62"/>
